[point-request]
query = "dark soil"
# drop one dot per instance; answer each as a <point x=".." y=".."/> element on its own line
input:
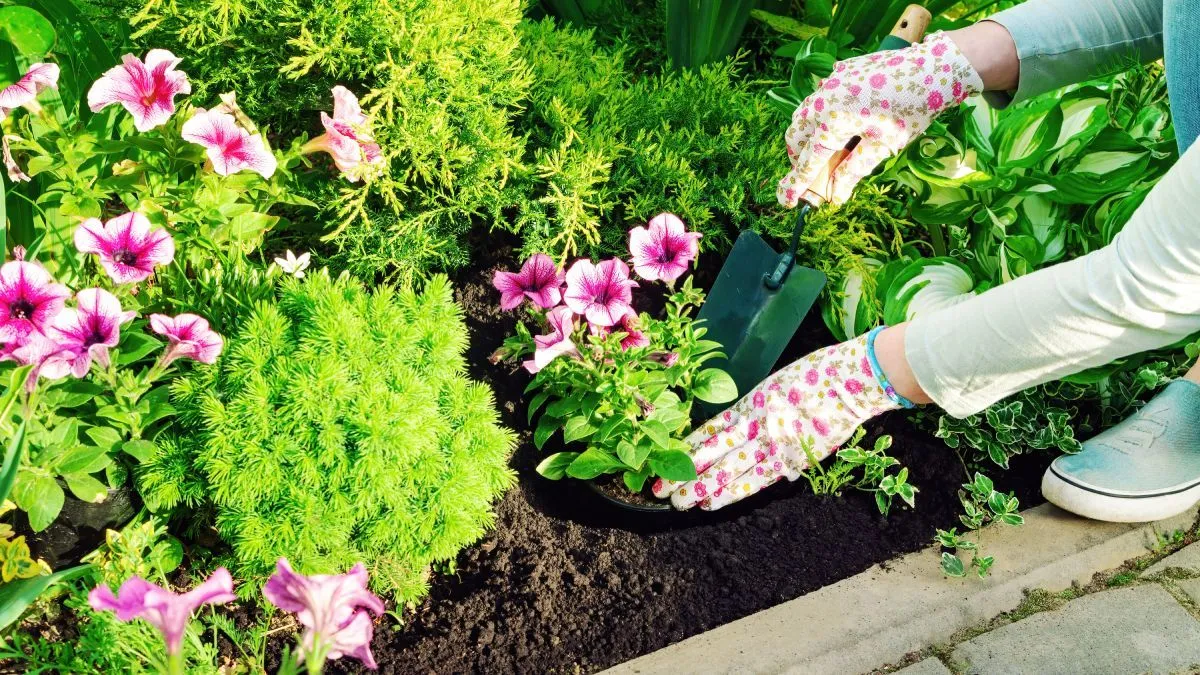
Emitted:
<point x="567" y="583"/>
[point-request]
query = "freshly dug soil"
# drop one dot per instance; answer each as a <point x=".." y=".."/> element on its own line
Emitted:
<point x="569" y="584"/>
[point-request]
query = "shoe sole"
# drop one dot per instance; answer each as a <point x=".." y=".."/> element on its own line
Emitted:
<point x="1115" y="508"/>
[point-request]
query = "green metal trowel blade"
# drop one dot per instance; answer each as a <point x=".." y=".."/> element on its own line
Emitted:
<point x="752" y="323"/>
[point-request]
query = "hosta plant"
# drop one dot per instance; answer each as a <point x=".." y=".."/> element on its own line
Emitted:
<point x="619" y="384"/>
<point x="339" y="426"/>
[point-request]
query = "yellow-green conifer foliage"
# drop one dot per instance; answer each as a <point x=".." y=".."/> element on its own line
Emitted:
<point x="340" y="426"/>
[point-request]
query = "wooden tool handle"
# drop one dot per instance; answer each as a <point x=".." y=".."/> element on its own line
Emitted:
<point x="910" y="28"/>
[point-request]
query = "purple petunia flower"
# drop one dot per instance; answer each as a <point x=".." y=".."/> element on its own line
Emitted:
<point x="89" y="329"/>
<point x="601" y="293"/>
<point x="129" y="250"/>
<point x="555" y="344"/>
<point x="166" y="611"/>
<point x="334" y="609"/>
<point x="25" y="90"/>
<point x="662" y="251"/>
<point x="540" y="280"/>
<point x="347" y="137"/>
<point x="189" y="337"/>
<point x="50" y="360"/>
<point x="146" y="89"/>
<point x="29" y="298"/>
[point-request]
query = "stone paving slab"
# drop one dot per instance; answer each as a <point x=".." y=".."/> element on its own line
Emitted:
<point x="1191" y="588"/>
<point x="1128" y="630"/>
<point x="883" y="614"/>
<point x="930" y="666"/>
<point x="1187" y="558"/>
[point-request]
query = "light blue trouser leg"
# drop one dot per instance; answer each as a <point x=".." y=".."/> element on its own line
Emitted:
<point x="1181" y="31"/>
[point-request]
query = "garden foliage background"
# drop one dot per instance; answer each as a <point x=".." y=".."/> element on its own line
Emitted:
<point x="501" y="120"/>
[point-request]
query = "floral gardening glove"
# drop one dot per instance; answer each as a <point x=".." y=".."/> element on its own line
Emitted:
<point x="887" y="99"/>
<point x="816" y="402"/>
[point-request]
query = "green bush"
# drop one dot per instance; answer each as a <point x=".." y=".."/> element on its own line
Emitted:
<point x="441" y="77"/>
<point x="339" y="426"/>
<point x="609" y="147"/>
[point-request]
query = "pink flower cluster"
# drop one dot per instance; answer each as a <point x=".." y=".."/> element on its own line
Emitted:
<point x="335" y="610"/>
<point x="147" y="90"/>
<point x="601" y="293"/>
<point x="38" y="329"/>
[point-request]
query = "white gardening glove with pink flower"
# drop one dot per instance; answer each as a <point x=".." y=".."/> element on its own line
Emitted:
<point x="886" y="99"/>
<point x="815" y="403"/>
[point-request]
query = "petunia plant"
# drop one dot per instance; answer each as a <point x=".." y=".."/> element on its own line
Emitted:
<point x="335" y="611"/>
<point x="620" y="384"/>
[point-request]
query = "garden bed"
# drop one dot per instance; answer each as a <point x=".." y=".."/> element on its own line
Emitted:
<point x="565" y="583"/>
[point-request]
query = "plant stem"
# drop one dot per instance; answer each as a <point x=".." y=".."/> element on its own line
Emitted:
<point x="175" y="663"/>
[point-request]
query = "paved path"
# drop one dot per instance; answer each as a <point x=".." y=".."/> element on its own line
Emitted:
<point x="1149" y="626"/>
<point x="892" y="613"/>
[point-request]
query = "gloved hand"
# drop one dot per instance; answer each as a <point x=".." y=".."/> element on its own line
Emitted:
<point x="886" y="98"/>
<point x="816" y="402"/>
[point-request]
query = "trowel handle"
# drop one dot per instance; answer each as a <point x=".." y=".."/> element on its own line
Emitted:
<point x="909" y="29"/>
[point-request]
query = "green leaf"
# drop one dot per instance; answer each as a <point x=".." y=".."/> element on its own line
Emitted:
<point x="40" y="497"/>
<point x="16" y="379"/>
<point x="135" y="346"/>
<point x="714" y="385"/>
<point x="563" y="406"/>
<point x="545" y="429"/>
<point x="555" y="466"/>
<point x="628" y="453"/>
<point x="635" y="480"/>
<point x="952" y="566"/>
<point x="672" y="465"/>
<point x="535" y="404"/>
<point x="12" y="461"/>
<point x="82" y="458"/>
<point x="140" y="449"/>
<point x="578" y="428"/>
<point x="593" y="462"/>
<point x="17" y="595"/>
<point x="927" y="285"/>
<point x="609" y="428"/>
<point x="105" y="437"/>
<point x="86" y="487"/>
<point x="30" y="32"/>
<point x="657" y="432"/>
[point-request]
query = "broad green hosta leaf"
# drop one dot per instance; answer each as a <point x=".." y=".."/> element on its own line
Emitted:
<point x="850" y="311"/>
<point x="1112" y="161"/>
<point x="925" y="286"/>
<point x="1084" y="115"/>
<point x="1025" y="136"/>
<point x="1108" y="216"/>
<point x="1043" y="220"/>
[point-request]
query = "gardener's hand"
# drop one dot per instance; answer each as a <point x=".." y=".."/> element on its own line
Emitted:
<point x="809" y="408"/>
<point x="887" y="99"/>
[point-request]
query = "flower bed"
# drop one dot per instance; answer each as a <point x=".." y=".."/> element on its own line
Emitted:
<point x="342" y="368"/>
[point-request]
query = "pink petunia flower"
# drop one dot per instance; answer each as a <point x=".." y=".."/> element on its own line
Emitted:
<point x="556" y="343"/>
<point x="159" y="607"/>
<point x="662" y="251"/>
<point x="335" y="610"/>
<point x="347" y="137"/>
<point x="188" y="337"/>
<point x="228" y="146"/>
<point x="540" y="280"/>
<point x="49" y="359"/>
<point x="24" y="91"/>
<point x="147" y="90"/>
<point x="601" y="293"/>
<point x="129" y="249"/>
<point x="29" y="299"/>
<point x="90" y="328"/>
<point x="667" y="359"/>
<point x="634" y="337"/>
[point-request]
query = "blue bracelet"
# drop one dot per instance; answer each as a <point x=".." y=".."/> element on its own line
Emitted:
<point x="883" y="381"/>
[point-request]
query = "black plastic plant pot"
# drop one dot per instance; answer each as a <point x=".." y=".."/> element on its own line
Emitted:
<point x="80" y="526"/>
<point x="616" y="494"/>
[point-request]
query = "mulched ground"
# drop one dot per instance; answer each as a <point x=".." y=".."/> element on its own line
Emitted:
<point x="566" y="584"/>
